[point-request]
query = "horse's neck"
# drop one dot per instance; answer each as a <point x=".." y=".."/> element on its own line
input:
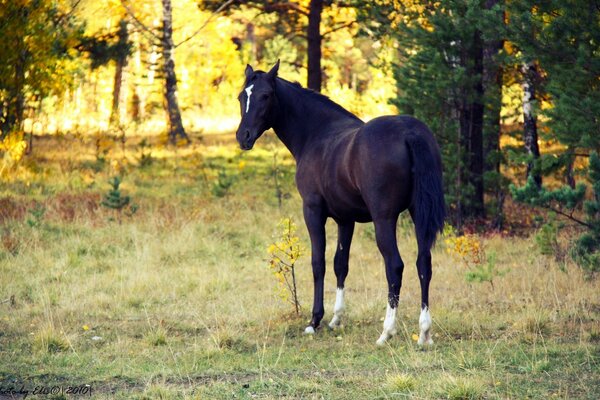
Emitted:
<point x="302" y="120"/>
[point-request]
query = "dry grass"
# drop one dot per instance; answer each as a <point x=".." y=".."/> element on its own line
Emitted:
<point x="178" y="300"/>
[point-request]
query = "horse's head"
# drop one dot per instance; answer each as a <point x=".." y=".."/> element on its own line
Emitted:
<point x="257" y="101"/>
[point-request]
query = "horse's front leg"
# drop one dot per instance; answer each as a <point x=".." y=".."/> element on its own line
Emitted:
<point x="315" y="217"/>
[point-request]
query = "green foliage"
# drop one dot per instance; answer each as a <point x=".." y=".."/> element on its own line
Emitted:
<point x="222" y="185"/>
<point x="114" y="200"/>
<point x="37" y="50"/>
<point x="564" y="197"/>
<point x="114" y="46"/>
<point x="564" y="37"/>
<point x="486" y="271"/>
<point x="585" y="250"/>
<point x="36" y="217"/>
<point x="547" y="238"/>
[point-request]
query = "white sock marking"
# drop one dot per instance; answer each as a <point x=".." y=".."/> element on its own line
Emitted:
<point x="338" y="309"/>
<point x="309" y="330"/>
<point x="389" y="325"/>
<point x="425" y="326"/>
<point x="248" y="93"/>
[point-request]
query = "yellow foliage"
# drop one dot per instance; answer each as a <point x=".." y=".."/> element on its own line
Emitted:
<point x="13" y="148"/>
<point x="283" y="255"/>
<point x="467" y="248"/>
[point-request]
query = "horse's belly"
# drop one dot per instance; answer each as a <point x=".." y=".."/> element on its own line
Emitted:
<point x="348" y="208"/>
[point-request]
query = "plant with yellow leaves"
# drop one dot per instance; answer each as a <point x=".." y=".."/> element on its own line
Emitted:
<point x="12" y="148"/>
<point x="470" y="250"/>
<point x="283" y="256"/>
<point x="466" y="248"/>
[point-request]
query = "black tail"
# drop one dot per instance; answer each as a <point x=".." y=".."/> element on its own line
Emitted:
<point x="429" y="207"/>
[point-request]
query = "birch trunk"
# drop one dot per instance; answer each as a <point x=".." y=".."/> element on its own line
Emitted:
<point x="176" y="131"/>
<point x="530" y="135"/>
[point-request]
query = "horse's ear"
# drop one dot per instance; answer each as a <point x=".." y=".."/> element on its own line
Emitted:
<point x="273" y="72"/>
<point x="248" y="71"/>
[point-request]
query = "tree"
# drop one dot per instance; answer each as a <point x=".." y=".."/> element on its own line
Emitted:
<point x="562" y="40"/>
<point x="298" y="19"/>
<point x="38" y="39"/>
<point x="164" y="39"/>
<point x="446" y="72"/>
<point x="566" y="47"/>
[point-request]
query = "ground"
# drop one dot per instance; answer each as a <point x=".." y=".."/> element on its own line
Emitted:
<point x="176" y="300"/>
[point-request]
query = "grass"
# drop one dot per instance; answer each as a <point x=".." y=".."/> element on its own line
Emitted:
<point x="177" y="300"/>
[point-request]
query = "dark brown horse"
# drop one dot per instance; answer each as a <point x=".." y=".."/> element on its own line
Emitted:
<point x="352" y="172"/>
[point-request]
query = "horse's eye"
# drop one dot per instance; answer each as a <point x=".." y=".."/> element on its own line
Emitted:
<point x="265" y="96"/>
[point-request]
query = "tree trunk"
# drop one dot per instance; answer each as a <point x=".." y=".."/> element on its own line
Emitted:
<point x="121" y="62"/>
<point x="471" y="126"/>
<point x="314" y="45"/>
<point x="530" y="136"/>
<point x="16" y="103"/>
<point x="176" y="131"/>
<point x="492" y="86"/>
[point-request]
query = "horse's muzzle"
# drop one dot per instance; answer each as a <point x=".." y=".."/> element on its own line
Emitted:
<point x="245" y="140"/>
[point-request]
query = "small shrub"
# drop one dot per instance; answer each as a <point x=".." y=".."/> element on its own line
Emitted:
<point x="283" y="256"/>
<point x="486" y="271"/>
<point x="223" y="184"/>
<point x="114" y="200"/>
<point x="470" y="251"/>
<point x="401" y="383"/>
<point x="453" y="388"/>
<point x="36" y="216"/>
<point x="157" y="337"/>
<point x="48" y="340"/>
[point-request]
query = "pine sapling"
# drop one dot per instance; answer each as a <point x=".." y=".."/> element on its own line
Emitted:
<point x="114" y="200"/>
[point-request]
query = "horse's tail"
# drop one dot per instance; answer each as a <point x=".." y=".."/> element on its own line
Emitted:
<point x="428" y="205"/>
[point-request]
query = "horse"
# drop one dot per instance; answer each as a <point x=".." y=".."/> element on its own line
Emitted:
<point x="352" y="171"/>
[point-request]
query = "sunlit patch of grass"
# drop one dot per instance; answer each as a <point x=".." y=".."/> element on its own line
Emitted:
<point x="157" y="336"/>
<point x="401" y="383"/>
<point x="49" y="340"/>
<point x="460" y="388"/>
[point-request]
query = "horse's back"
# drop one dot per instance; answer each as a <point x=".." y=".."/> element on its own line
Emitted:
<point x="366" y="172"/>
<point x="383" y="162"/>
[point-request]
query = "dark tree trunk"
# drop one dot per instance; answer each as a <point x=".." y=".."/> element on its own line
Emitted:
<point x="121" y="62"/>
<point x="471" y="126"/>
<point x="176" y="131"/>
<point x="314" y="45"/>
<point x="530" y="135"/>
<point x="492" y="86"/>
<point x="16" y="103"/>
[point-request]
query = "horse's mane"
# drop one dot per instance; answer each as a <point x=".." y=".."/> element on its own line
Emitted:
<point x="317" y="97"/>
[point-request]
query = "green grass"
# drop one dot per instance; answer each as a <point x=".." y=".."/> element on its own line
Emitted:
<point x="177" y="301"/>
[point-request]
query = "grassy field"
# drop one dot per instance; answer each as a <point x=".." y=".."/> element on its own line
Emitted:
<point x="177" y="300"/>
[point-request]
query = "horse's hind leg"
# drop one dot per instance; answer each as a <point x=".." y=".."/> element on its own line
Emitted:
<point x="385" y="234"/>
<point x="424" y="270"/>
<point x="340" y="265"/>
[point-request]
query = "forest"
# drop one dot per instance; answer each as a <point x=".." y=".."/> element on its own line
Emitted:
<point x="141" y="248"/>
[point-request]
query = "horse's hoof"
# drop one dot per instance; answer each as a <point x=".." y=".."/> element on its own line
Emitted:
<point x="309" y="330"/>
<point x="425" y="339"/>
<point x="383" y="339"/>
<point x="335" y="322"/>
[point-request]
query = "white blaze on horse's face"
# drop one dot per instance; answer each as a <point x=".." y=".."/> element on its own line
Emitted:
<point x="248" y="93"/>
